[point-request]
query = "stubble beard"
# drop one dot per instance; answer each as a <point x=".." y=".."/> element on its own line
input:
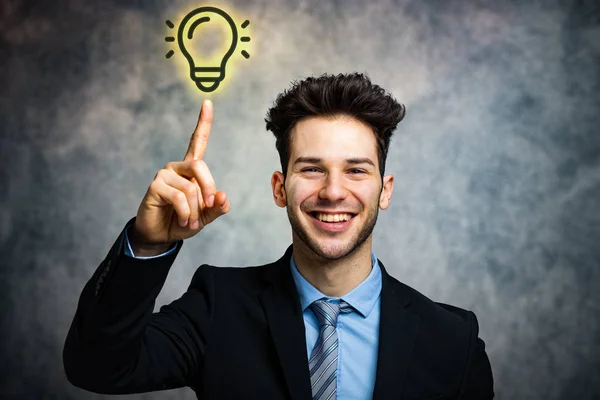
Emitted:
<point x="318" y="245"/>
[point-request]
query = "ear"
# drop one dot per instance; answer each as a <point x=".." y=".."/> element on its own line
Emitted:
<point x="386" y="193"/>
<point x="277" y="184"/>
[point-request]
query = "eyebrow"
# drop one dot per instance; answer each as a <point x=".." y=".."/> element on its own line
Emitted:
<point x="317" y="160"/>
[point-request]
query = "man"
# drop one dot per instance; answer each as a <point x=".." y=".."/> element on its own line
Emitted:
<point x="324" y="321"/>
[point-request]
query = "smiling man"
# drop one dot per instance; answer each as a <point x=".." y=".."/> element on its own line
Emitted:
<point x="324" y="321"/>
<point x="332" y="195"/>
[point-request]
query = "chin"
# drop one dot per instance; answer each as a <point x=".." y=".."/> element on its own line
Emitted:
<point x="331" y="249"/>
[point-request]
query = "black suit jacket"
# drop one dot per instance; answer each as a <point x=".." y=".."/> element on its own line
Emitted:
<point x="238" y="333"/>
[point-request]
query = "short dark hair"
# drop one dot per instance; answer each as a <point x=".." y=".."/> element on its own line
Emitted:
<point x="329" y="96"/>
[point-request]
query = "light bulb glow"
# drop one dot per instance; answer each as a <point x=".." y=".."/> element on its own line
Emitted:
<point x="207" y="72"/>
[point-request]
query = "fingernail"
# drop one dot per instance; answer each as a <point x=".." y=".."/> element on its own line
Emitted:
<point x="195" y="224"/>
<point x="183" y="222"/>
<point x="211" y="200"/>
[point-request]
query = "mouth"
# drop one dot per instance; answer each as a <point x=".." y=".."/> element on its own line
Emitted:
<point x="331" y="226"/>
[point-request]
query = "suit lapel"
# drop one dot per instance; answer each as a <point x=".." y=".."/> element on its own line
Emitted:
<point x="397" y="333"/>
<point x="281" y="303"/>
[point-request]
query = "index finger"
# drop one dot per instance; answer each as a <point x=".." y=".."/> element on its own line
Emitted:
<point x="199" y="139"/>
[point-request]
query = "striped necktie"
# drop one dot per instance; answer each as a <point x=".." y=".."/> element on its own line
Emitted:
<point x="323" y="359"/>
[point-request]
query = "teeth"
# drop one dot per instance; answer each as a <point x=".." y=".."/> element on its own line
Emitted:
<point x="333" y="217"/>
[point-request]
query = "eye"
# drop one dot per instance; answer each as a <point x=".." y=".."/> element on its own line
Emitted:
<point x="354" y="171"/>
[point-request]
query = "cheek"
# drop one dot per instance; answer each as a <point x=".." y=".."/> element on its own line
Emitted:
<point x="298" y="193"/>
<point x="366" y="194"/>
<point x="371" y="202"/>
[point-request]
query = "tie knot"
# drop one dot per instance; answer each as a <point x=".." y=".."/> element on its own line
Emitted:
<point x="327" y="312"/>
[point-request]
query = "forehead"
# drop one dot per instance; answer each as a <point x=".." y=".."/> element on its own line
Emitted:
<point x="333" y="137"/>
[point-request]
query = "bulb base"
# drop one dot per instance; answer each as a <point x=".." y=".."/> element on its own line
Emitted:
<point x="207" y="78"/>
<point x="207" y="86"/>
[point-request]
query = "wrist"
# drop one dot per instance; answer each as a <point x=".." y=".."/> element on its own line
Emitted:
<point x="142" y="248"/>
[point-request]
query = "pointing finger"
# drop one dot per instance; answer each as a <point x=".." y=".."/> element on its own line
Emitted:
<point x="199" y="139"/>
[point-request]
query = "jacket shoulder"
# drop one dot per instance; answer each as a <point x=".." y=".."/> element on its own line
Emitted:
<point x="240" y="278"/>
<point x="445" y="324"/>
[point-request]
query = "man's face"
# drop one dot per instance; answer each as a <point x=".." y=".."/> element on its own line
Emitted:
<point x="332" y="184"/>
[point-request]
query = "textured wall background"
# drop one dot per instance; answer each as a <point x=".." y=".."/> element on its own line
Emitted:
<point x="497" y="163"/>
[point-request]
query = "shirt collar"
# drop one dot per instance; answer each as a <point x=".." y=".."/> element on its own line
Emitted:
<point x="362" y="298"/>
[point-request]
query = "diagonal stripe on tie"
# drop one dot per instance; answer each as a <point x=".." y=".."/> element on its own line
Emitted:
<point x="324" y="357"/>
<point x="333" y="392"/>
<point x="322" y="361"/>
<point x="320" y="343"/>
<point x="327" y="387"/>
<point x="323" y="374"/>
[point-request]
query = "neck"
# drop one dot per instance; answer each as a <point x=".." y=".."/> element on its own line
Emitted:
<point x="334" y="278"/>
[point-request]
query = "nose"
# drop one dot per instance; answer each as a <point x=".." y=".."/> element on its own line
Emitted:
<point x="333" y="188"/>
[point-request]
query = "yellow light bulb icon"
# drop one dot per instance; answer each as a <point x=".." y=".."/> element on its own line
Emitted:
<point x="203" y="71"/>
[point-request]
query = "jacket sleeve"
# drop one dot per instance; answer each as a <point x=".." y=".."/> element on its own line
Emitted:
<point x="129" y="252"/>
<point x="478" y="382"/>
<point x="117" y="345"/>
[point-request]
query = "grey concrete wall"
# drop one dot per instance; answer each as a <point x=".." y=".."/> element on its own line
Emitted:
<point x="497" y="164"/>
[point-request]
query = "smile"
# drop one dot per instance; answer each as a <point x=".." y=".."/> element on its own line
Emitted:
<point x="338" y="226"/>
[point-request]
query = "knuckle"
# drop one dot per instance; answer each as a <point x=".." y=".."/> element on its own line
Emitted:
<point x="197" y="165"/>
<point x="180" y="197"/>
<point x="169" y="165"/>
<point x="201" y="136"/>
<point x="160" y="174"/>
<point x="154" y="186"/>
<point x="190" y="189"/>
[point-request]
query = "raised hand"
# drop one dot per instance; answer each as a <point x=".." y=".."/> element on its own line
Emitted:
<point x="182" y="199"/>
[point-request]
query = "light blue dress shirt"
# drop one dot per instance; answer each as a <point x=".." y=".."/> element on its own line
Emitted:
<point x="129" y="252"/>
<point x="358" y="331"/>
